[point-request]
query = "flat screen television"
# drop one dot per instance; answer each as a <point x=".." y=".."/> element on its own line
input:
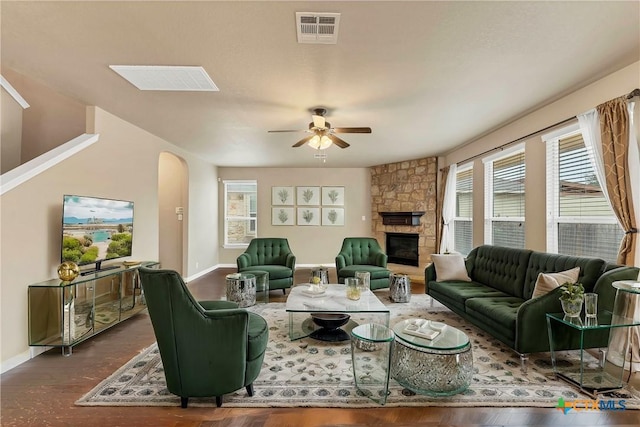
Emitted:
<point x="94" y="230"/>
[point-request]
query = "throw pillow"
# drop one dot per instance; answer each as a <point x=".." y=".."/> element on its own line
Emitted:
<point x="546" y="282"/>
<point x="450" y="267"/>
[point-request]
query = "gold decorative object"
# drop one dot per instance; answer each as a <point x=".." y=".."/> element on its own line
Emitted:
<point x="131" y="263"/>
<point x="68" y="270"/>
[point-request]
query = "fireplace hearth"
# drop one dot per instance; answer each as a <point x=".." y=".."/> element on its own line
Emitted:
<point x="402" y="248"/>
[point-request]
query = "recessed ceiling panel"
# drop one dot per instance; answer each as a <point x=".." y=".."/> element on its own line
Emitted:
<point x="161" y="77"/>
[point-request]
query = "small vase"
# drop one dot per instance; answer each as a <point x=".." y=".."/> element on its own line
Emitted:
<point x="573" y="307"/>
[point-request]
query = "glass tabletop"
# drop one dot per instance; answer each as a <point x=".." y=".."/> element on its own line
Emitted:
<point x="333" y="299"/>
<point x="627" y="286"/>
<point x="604" y="320"/>
<point x="447" y="337"/>
<point x="373" y="332"/>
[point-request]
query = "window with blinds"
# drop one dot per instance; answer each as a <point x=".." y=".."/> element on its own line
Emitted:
<point x="580" y="221"/>
<point x="463" y="221"/>
<point x="241" y="215"/>
<point x="504" y="200"/>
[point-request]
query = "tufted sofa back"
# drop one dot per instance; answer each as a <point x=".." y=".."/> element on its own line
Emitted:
<point x="542" y="262"/>
<point x="268" y="251"/>
<point x="499" y="267"/>
<point x="360" y="250"/>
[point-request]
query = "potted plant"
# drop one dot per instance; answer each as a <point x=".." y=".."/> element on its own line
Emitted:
<point x="571" y="298"/>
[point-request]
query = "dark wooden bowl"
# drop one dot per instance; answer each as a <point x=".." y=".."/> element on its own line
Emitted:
<point x="330" y="320"/>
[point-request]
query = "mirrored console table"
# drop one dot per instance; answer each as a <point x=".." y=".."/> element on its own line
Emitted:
<point x="63" y="314"/>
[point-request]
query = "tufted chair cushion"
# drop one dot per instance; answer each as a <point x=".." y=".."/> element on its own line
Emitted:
<point x="499" y="267"/>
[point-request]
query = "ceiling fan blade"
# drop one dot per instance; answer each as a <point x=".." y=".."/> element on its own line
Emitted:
<point x="339" y="142"/>
<point x="288" y="130"/>
<point x="303" y="141"/>
<point x="351" y="130"/>
<point x="318" y="121"/>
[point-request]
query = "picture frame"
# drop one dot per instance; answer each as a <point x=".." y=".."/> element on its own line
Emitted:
<point x="282" y="196"/>
<point x="308" y="196"/>
<point x="308" y="216"/>
<point x="333" y="217"/>
<point x="283" y="216"/>
<point x="333" y="196"/>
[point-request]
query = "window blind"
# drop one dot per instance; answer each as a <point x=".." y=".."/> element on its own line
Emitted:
<point x="580" y="219"/>
<point x="463" y="223"/>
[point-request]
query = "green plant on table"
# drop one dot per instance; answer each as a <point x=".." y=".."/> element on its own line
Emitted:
<point x="571" y="291"/>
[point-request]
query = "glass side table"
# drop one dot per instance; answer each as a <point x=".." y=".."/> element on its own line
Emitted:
<point x="441" y="366"/>
<point x="241" y="288"/>
<point x="570" y="339"/>
<point x="262" y="286"/>
<point x="371" y="346"/>
<point x="626" y="306"/>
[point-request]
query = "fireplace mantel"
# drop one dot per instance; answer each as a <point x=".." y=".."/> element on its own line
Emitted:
<point x="401" y="218"/>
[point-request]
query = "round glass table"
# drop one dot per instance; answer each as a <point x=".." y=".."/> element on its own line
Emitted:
<point x="431" y="358"/>
<point x="371" y="347"/>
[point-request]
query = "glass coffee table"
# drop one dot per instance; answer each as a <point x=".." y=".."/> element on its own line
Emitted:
<point x="441" y="366"/>
<point x="301" y="304"/>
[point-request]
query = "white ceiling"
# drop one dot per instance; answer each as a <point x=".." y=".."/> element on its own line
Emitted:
<point x="425" y="76"/>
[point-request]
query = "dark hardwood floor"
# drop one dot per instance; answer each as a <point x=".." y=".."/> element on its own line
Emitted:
<point x="42" y="391"/>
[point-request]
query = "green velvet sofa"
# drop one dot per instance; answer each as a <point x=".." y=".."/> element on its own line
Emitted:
<point x="363" y="254"/>
<point x="498" y="299"/>
<point x="273" y="255"/>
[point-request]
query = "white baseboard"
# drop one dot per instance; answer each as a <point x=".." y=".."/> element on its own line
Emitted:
<point x="201" y="273"/>
<point x="11" y="363"/>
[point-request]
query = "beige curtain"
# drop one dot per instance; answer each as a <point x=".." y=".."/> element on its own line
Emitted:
<point x="614" y="128"/>
<point x="444" y="173"/>
<point x="614" y="133"/>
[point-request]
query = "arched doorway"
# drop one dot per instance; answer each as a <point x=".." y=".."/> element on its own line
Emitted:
<point x="173" y="200"/>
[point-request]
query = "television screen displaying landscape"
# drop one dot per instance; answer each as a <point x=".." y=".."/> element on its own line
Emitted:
<point x="96" y="229"/>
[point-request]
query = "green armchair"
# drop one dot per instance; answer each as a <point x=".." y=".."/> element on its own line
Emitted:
<point x="271" y="254"/>
<point x="208" y="348"/>
<point x="363" y="254"/>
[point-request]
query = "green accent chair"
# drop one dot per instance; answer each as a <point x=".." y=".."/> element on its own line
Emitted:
<point x="208" y="348"/>
<point x="273" y="255"/>
<point x="363" y="254"/>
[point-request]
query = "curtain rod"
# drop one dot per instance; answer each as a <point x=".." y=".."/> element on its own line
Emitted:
<point x="632" y="94"/>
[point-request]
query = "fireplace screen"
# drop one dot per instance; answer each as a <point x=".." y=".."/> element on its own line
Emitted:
<point x="402" y="248"/>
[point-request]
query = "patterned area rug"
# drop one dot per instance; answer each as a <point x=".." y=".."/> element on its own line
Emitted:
<point x="311" y="373"/>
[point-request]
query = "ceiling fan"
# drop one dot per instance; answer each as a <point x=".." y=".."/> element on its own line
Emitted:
<point x="322" y="134"/>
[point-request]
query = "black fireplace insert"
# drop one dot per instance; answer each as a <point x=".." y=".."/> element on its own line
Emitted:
<point x="402" y="248"/>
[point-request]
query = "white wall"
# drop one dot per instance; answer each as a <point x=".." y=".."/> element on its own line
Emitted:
<point x="123" y="164"/>
<point x="616" y="84"/>
<point x="10" y="132"/>
<point x="312" y="245"/>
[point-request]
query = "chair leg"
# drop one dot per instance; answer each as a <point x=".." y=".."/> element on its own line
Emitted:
<point x="524" y="358"/>
<point x="250" y="390"/>
<point x="184" y="401"/>
<point x="284" y="291"/>
<point x="218" y="401"/>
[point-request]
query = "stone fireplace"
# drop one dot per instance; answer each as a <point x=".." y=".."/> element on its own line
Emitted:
<point x="406" y="187"/>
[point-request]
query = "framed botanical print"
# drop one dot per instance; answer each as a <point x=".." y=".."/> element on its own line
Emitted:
<point x="282" y="196"/>
<point x="332" y="196"/>
<point x="308" y="196"/>
<point x="332" y="216"/>
<point x="283" y="216"/>
<point x="308" y="216"/>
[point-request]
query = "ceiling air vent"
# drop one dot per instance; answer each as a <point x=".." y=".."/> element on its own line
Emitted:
<point x="319" y="28"/>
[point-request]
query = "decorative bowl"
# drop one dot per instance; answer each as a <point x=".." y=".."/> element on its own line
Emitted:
<point x="330" y="320"/>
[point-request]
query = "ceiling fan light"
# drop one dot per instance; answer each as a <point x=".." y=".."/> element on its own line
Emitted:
<point x="325" y="142"/>
<point x="314" y="142"/>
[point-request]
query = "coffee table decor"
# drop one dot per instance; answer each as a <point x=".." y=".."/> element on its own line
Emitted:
<point x="330" y="324"/>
